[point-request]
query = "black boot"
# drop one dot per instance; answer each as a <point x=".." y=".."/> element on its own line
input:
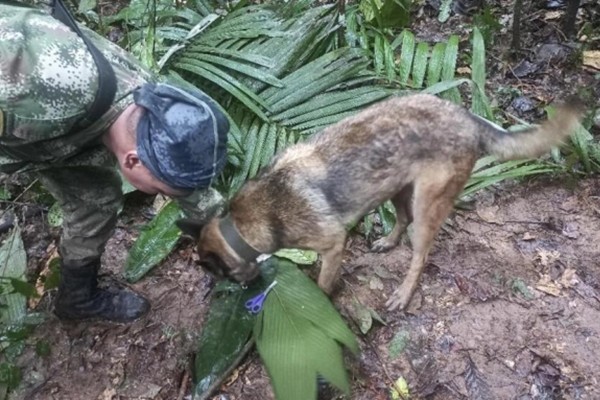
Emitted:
<point x="80" y="298"/>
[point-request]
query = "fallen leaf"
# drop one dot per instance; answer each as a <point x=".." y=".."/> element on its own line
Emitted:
<point x="159" y="203"/>
<point x="569" y="278"/>
<point x="400" y="390"/>
<point x="519" y="286"/>
<point x="376" y="316"/>
<point x="489" y="214"/>
<point x="117" y="373"/>
<point x="463" y="70"/>
<point x="571" y="230"/>
<point x="528" y="236"/>
<point x="384" y="273"/>
<point x="398" y="343"/>
<point x="591" y="58"/>
<point x="302" y="257"/>
<point x="151" y="392"/>
<point x="108" y="394"/>
<point x="375" y="283"/>
<point x="546" y="285"/>
<point x="546" y="257"/>
<point x="550" y="15"/>
<point x="363" y="317"/>
<point x="40" y="284"/>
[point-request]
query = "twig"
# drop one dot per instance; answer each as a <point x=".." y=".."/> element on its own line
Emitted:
<point x="213" y="386"/>
<point x="183" y="386"/>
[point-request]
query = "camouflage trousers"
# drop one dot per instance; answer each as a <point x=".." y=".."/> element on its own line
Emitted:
<point x="91" y="197"/>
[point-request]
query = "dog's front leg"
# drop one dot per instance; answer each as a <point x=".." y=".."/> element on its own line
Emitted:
<point x="330" y="267"/>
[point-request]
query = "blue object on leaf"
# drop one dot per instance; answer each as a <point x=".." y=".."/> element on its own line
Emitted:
<point x="255" y="304"/>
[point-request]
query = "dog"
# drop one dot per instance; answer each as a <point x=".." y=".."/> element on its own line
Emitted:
<point x="417" y="151"/>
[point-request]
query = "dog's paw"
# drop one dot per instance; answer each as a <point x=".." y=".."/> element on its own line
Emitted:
<point x="382" y="245"/>
<point x="398" y="301"/>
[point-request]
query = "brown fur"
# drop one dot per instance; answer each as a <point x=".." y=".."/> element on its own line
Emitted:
<point x="416" y="150"/>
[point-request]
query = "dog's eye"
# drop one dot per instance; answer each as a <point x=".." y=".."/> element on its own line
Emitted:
<point x="212" y="263"/>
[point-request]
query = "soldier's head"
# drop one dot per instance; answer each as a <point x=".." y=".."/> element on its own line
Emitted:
<point x="175" y="140"/>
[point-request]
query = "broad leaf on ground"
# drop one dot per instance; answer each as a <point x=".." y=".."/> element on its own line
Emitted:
<point x="155" y="242"/>
<point x="299" y="336"/>
<point x="13" y="262"/>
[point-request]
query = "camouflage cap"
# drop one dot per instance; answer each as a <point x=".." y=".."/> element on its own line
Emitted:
<point x="181" y="136"/>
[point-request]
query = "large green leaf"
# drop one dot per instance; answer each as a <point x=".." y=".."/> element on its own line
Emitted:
<point x="225" y="332"/>
<point x="406" y="55"/>
<point x="155" y="242"/>
<point x="487" y="172"/>
<point x="13" y="262"/>
<point x="449" y="68"/>
<point x="480" y="104"/>
<point x="298" y="336"/>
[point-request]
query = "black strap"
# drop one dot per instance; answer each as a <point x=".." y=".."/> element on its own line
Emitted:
<point x="237" y="242"/>
<point x="107" y="82"/>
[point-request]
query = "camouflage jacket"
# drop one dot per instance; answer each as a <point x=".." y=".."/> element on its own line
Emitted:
<point x="47" y="81"/>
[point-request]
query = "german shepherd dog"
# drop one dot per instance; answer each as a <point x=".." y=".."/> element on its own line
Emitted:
<point x="417" y="151"/>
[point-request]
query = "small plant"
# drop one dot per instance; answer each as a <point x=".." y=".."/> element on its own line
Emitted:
<point x="16" y="325"/>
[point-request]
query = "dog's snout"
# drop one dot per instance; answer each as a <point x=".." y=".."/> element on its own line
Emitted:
<point x="247" y="274"/>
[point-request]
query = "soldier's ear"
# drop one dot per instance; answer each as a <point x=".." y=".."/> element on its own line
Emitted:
<point x="190" y="227"/>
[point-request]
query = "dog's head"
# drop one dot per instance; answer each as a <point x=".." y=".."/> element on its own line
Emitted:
<point x="216" y="255"/>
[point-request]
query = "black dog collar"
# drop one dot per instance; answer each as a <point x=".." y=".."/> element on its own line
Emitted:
<point x="236" y="241"/>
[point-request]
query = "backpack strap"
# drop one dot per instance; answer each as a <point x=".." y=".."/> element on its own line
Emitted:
<point x="107" y="82"/>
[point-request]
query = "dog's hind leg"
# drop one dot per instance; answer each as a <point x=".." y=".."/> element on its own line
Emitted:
<point x="434" y="196"/>
<point x="404" y="216"/>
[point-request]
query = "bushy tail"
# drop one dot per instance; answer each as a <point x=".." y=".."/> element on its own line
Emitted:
<point x="535" y="141"/>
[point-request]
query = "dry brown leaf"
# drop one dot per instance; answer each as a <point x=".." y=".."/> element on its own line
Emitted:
<point x="39" y="284"/>
<point x="546" y="257"/>
<point x="569" y="278"/>
<point x="489" y="214"/>
<point x="375" y="283"/>
<point x="591" y="58"/>
<point x="108" y="394"/>
<point x="546" y="285"/>
<point x="550" y="15"/>
<point x="232" y="378"/>
<point x="528" y="236"/>
<point x="159" y="202"/>
<point x="463" y="70"/>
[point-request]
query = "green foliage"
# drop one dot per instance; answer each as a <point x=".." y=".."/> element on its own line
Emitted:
<point x="298" y="336"/>
<point x="15" y="326"/>
<point x="398" y="343"/>
<point x="225" y="332"/>
<point x="4" y="193"/>
<point x="55" y="215"/>
<point x="156" y="241"/>
<point x="13" y="263"/>
<point x="445" y="9"/>
<point x="583" y="150"/>
<point x="386" y="13"/>
<point x="488" y="24"/>
<point x="486" y="172"/>
<point x="10" y="375"/>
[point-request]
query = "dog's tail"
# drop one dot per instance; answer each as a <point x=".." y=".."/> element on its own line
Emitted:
<point x="535" y="141"/>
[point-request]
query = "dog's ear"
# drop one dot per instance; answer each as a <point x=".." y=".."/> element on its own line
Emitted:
<point x="190" y="227"/>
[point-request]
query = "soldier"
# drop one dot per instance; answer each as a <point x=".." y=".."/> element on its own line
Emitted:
<point x="163" y="138"/>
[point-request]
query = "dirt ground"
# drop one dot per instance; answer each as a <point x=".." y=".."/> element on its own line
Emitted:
<point x="508" y="306"/>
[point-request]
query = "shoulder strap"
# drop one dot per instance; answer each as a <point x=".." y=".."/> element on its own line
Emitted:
<point x="107" y="82"/>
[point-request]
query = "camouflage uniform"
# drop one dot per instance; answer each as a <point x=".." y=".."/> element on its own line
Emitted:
<point x="47" y="79"/>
